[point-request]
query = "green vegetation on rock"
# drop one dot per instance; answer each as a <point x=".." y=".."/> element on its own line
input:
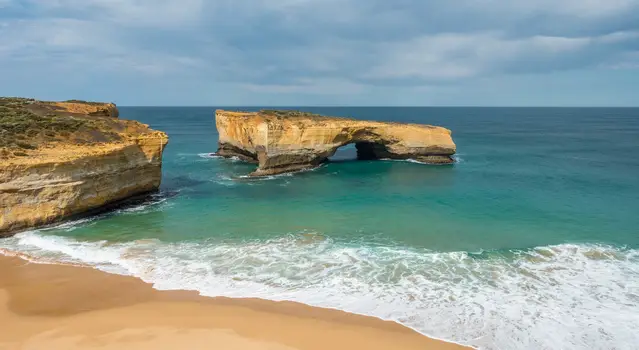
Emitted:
<point x="84" y="102"/>
<point x="26" y="124"/>
<point x="289" y="113"/>
<point x="293" y="114"/>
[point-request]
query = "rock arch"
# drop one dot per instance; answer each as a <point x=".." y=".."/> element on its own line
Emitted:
<point x="286" y="141"/>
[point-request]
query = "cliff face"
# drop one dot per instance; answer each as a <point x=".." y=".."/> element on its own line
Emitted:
<point x="62" y="159"/>
<point x="285" y="141"/>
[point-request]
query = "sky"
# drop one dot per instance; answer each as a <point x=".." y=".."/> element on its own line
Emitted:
<point x="323" y="52"/>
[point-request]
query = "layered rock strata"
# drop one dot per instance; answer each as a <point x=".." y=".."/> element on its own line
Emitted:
<point x="62" y="159"/>
<point x="286" y="141"/>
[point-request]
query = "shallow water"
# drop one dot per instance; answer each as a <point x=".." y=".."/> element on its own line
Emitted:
<point x="529" y="241"/>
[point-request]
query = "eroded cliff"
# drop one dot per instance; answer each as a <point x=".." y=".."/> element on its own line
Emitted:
<point x="285" y="141"/>
<point x="60" y="159"/>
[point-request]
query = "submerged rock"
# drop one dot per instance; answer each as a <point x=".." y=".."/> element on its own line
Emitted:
<point x="60" y="159"/>
<point x="286" y="141"/>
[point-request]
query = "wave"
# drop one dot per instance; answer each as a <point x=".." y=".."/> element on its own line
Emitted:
<point x="456" y="160"/>
<point x="249" y="178"/>
<point x="155" y="201"/>
<point x="215" y="156"/>
<point x="577" y="296"/>
<point x="209" y="155"/>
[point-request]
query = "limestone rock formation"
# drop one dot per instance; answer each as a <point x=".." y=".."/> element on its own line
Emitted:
<point x="286" y="141"/>
<point x="60" y="159"/>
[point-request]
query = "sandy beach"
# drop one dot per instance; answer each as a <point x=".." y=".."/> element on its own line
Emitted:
<point x="68" y="307"/>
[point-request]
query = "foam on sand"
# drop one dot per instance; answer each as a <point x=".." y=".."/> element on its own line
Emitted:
<point x="565" y="296"/>
<point x="126" y="313"/>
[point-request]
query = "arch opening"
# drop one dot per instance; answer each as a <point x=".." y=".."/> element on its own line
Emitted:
<point x="346" y="153"/>
<point x="359" y="150"/>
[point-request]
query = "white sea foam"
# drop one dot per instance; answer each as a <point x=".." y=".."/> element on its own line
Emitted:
<point x="415" y="161"/>
<point x="279" y="176"/>
<point x="154" y="202"/>
<point x="458" y="159"/>
<point x="264" y="178"/>
<point x="224" y="180"/>
<point x="565" y="296"/>
<point x="209" y="155"/>
<point x="215" y="156"/>
<point x="410" y="160"/>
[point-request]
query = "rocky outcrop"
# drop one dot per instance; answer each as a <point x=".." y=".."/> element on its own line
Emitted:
<point x="286" y="141"/>
<point x="87" y="108"/>
<point x="59" y="160"/>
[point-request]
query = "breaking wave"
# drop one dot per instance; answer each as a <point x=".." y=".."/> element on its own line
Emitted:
<point x="577" y="296"/>
<point x="215" y="156"/>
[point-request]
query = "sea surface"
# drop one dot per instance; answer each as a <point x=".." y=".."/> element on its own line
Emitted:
<point x="529" y="241"/>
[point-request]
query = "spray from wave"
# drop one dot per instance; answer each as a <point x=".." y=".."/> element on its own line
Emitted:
<point x="458" y="159"/>
<point x="564" y="296"/>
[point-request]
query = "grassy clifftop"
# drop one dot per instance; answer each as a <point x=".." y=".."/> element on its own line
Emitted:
<point x="28" y="124"/>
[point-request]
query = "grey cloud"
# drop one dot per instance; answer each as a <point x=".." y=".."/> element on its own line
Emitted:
<point x="287" y="44"/>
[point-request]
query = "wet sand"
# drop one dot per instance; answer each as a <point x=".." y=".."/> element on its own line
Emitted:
<point x="67" y="307"/>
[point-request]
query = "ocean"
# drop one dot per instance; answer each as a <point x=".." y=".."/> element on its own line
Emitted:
<point x="529" y="241"/>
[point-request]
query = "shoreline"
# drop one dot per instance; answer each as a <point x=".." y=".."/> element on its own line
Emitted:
<point x="74" y="307"/>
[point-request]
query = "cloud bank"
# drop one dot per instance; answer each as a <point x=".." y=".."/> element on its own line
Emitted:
<point x="320" y="51"/>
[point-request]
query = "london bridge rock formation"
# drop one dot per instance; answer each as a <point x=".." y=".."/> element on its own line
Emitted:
<point x="286" y="141"/>
<point x="60" y="159"/>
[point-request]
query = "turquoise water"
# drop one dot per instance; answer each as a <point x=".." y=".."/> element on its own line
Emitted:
<point x="529" y="241"/>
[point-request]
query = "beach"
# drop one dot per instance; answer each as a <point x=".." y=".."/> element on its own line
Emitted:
<point x="71" y="307"/>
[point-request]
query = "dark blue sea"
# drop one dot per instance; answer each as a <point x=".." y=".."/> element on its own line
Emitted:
<point x="529" y="241"/>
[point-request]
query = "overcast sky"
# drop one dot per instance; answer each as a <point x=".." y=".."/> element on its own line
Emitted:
<point x="323" y="52"/>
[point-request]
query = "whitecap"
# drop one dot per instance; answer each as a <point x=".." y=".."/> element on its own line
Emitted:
<point x="158" y="201"/>
<point x="209" y="155"/>
<point x="279" y="176"/>
<point x="577" y="296"/>
<point x="458" y="159"/>
<point x="216" y="156"/>
<point x="224" y="180"/>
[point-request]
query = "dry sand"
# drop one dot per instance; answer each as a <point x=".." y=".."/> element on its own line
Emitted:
<point x="65" y="307"/>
